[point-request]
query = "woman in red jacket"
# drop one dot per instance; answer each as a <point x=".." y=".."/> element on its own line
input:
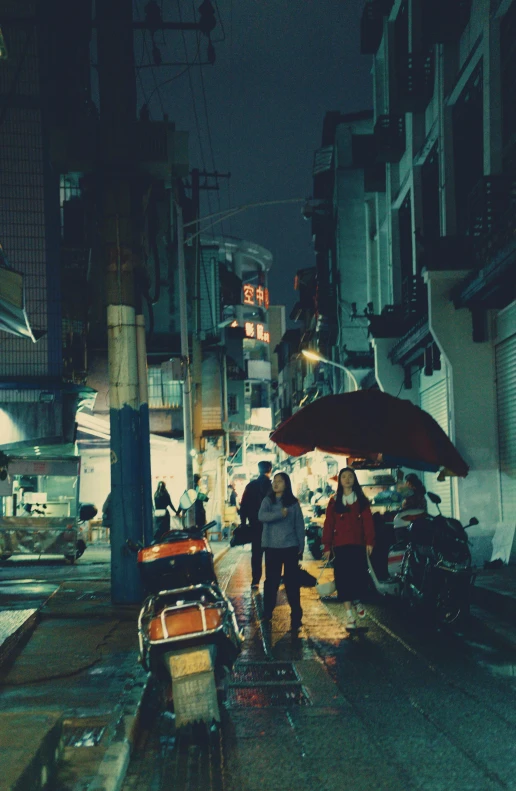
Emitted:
<point x="349" y="533"/>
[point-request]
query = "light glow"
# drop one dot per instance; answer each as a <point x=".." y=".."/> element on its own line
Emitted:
<point x="313" y="356"/>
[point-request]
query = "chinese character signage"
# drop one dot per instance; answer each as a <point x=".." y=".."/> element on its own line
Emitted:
<point x="256" y="331"/>
<point x="255" y="295"/>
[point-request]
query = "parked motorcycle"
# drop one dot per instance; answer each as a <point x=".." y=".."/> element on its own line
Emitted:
<point x="187" y="630"/>
<point x="314" y="521"/>
<point x="429" y="568"/>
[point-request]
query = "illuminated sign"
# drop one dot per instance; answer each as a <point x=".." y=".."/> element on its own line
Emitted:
<point x="255" y="295"/>
<point x="257" y="332"/>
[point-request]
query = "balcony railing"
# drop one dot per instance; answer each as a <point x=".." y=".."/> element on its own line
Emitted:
<point x="415" y="81"/>
<point x="389" y="132"/>
<point x="414" y="298"/>
<point x="371" y="25"/>
<point x="492" y="216"/>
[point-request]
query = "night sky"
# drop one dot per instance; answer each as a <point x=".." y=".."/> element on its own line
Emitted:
<point x="280" y="65"/>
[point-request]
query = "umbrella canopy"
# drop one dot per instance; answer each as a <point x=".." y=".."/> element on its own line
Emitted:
<point x="369" y="422"/>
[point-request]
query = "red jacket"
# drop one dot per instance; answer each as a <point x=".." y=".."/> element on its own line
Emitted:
<point x="351" y="527"/>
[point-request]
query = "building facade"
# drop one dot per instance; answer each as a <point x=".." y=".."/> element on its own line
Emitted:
<point x="414" y="236"/>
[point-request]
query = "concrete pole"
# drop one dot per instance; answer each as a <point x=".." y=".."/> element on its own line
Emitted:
<point x="185" y="352"/>
<point x="145" y="456"/>
<point x="117" y="93"/>
<point x="126" y="497"/>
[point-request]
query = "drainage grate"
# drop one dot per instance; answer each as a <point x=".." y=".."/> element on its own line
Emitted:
<point x="260" y="672"/>
<point x="267" y="696"/>
<point x="83" y="737"/>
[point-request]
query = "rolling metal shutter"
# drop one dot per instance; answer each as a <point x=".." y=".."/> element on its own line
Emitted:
<point x="506" y="403"/>
<point x="434" y="400"/>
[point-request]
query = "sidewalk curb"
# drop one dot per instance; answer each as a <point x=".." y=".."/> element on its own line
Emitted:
<point x="499" y="603"/>
<point x="113" y="767"/>
<point x="9" y="648"/>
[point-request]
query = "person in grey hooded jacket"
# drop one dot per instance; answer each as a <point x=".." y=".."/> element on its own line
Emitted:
<point x="283" y="539"/>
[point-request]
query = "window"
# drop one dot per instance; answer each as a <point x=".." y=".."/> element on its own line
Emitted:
<point x="430" y="186"/>
<point x="508" y="64"/>
<point x="405" y="230"/>
<point x="468" y="145"/>
<point x="232" y="404"/>
<point x="164" y="392"/>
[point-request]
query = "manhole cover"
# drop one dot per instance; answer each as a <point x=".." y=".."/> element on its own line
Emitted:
<point x="267" y="696"/>
<point x="83" y="737"/>
<point x="90" y="596"/>
<point x="259" y="672"/>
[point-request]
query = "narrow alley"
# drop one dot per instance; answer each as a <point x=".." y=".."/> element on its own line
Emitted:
<point x="393" y="707"/>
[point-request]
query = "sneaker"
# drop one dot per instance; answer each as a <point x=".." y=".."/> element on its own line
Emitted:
<point x="255" y="586"/>
<point x="350" y="620"/>
<point x="359" y="608"/>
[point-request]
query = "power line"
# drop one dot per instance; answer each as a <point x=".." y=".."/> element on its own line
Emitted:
<point x="194" y="104"/>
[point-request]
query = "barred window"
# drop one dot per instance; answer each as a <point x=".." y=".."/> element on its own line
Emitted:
<point x="164" y="392"/>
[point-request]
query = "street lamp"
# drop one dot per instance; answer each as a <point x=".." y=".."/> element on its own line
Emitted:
<point x="318" y="358"/>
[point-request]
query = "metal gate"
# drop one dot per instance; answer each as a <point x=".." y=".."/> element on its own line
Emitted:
<point x="506" y="404"/>
<point x="434" y="400"/>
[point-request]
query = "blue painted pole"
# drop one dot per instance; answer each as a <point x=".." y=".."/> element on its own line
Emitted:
<point x="126" y="491"/>
<point x="145" y="451"/>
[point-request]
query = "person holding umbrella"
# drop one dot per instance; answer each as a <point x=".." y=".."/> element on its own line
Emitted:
<point x="348" y="532"/>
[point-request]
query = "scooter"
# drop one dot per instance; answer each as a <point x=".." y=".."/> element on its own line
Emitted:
<point x="429" y="565"/>
<point x="187" y="629"/>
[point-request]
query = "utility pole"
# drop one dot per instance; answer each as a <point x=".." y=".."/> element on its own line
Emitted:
<point x="185" y="350"/>
<point x="117" y="92"/>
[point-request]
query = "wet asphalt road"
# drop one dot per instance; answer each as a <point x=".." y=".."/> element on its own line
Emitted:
<point x="29" y="581"/>
<point x="395" y="707"/>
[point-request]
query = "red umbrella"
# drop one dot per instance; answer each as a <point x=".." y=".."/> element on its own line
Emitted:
<point x="368" y="422"/>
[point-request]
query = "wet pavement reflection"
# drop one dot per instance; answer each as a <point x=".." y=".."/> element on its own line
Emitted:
<point x="392" y="706"/>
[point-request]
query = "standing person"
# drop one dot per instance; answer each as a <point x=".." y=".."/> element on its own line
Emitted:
<point x="199" y="510"/>
<point x="250" y="504"/>
<point x="162" y="502"/>
<point x="232" y="496"/>
<point x="414" y="493"/>
<point x="348" y="532"/>
<point x="284" y="541"/>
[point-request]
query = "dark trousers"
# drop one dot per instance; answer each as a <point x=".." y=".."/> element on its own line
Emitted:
<point x="256" y="554"/>
<point x="275" y="561"/>
<point x="350" y="567"/>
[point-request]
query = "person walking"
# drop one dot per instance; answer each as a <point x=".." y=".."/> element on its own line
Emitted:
<point x="199" y="510"/>
<point x="162" y="502"/>
<point x="283" y="540"/>
<point x="348" y="532"/>
<point x="250" y="504"/>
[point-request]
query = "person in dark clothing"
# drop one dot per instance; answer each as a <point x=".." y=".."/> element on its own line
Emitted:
<point x="414" y="493"/>
<point x="107" y="514"/>
<point x="199" y="510"/>
<point x="162" y="502"/>
<point x="232" y="496"/>
<point x="252" y="498"/>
